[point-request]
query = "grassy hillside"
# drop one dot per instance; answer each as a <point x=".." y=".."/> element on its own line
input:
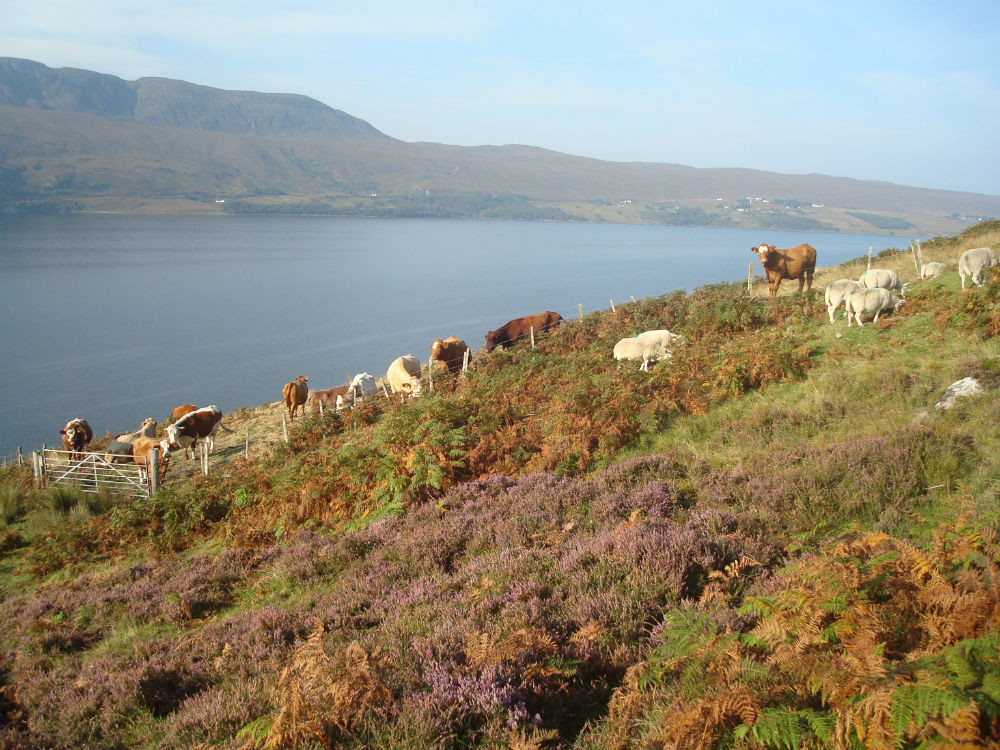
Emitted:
<point x="772" y="540"/>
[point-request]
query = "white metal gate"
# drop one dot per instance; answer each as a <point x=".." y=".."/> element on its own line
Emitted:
<point x="89" y="472"/>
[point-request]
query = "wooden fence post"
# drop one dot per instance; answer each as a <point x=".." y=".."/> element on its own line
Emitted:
<point x="613" y="310"/>
<point x="869" y="257"/>
<point x="204" y="458"/>
<point x="633" y="298"/>
<point x="153" y="469"/>
<point x="750" y="279"/>
<point x="20" y="458"/>
<point x="36" y="467"/>
<point x="916" y="262"/>
<point x="465" y="361"/>
<point x="579" y="307"/>
<point x="246" y="445"/>
<point x="284" y="427"/>
<point x="430" y="377"/>
<point x="532" y="337"/>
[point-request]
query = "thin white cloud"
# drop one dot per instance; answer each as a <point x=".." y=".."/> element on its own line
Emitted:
<point x="121" y="19"/>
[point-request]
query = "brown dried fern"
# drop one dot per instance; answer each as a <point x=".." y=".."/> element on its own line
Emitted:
<point x="321" y="696"/>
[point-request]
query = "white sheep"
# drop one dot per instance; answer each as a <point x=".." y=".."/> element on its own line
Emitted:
<point x="871" y="302"/>
<point x="973" y="262"/>
<point x="837" y="293"/>
<point x="648" y="346"/>
<point x="932" y="269"/>
<point x="882" y="278"/>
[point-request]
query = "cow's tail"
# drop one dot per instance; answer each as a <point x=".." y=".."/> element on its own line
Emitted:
<point x="227" y="429"/>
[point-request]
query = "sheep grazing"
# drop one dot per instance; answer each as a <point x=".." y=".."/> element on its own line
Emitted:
<point x="881" y="278"/>
<point x="974" y="263"/>
<point x="871" y="302"/>
<point x="932" y="269"/>
<point x="837" y="293"/>
<point x="647" y="347"/>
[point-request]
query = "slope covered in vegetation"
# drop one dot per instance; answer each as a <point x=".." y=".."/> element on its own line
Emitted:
<point x="772" y="540"/>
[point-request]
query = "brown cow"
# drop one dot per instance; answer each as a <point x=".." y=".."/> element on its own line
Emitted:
<point x="520" y="328"/>
<point x="76" y="436"/>
<point x="180" y="411"/>
<point x="326" y="398"/>
<point x="140" y="454"/>
<point x="797" y="262"/>
<point x="203" y="423"/>
<point x="450" y="352"/>
<point x="294" y="395"/>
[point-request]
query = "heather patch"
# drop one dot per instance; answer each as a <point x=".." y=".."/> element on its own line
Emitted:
<point x="512" y="605"/>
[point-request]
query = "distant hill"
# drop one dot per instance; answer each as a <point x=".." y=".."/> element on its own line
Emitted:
<point x="162" y="101"/>
<point x="78" y="140"/>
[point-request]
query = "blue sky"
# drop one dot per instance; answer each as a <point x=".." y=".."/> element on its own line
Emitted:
<point x="905" y="92"/>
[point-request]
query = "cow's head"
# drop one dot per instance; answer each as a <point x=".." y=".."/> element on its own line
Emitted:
<point x="436" y="349"/>
<point x="492" y="339"/>
<point x="173" y="434"/>
<point x="763" y="251"/>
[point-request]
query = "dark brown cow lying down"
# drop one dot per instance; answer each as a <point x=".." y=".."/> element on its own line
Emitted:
<point x="520" y="328"/>
<point x="797" y="262"/>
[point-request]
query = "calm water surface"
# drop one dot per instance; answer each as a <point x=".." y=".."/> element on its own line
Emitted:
<point x="116" y="318"/>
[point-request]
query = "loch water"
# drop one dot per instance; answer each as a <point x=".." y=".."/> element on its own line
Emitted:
<point x="116" y="318"/>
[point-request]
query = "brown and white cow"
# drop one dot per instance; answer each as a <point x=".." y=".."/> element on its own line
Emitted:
<point x="325" y="398"/>
<point x="180" y="411"/>
<point x="76" y="436"/>
<point x="520" y="328"/>
<point x="451" y="352"/>
<point x="119" y="450"/>
<point x="294" y="395"/>
<point x="797" y="262"/>
<point x="201" y="423"/>
<point x="140" y="454"/>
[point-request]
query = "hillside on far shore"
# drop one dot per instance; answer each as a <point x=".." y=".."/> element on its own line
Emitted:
<point x="77" y="140"/>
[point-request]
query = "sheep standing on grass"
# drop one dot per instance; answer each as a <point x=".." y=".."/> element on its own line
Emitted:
<point x="837" y="293"/>
<point x="882" y="278"/>
<point x="974" y="262"/>
<point x="871" y="302"/>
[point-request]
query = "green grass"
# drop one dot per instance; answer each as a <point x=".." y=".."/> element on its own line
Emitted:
<point x="840" y="435"/>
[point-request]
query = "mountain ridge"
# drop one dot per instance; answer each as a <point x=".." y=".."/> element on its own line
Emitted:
<point x="72" y="139"/>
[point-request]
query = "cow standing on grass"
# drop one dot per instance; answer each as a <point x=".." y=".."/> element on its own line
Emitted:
<point x="797" y="262"/>
<point x="202" y="423"/>
<point x="520" y="328"/>
<point x="76" y="436"/>
<point x="295" y="394"/>
<point x="451" y="351"/>
<point x="141" y="450"/>
<point x="119" y="450"/>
